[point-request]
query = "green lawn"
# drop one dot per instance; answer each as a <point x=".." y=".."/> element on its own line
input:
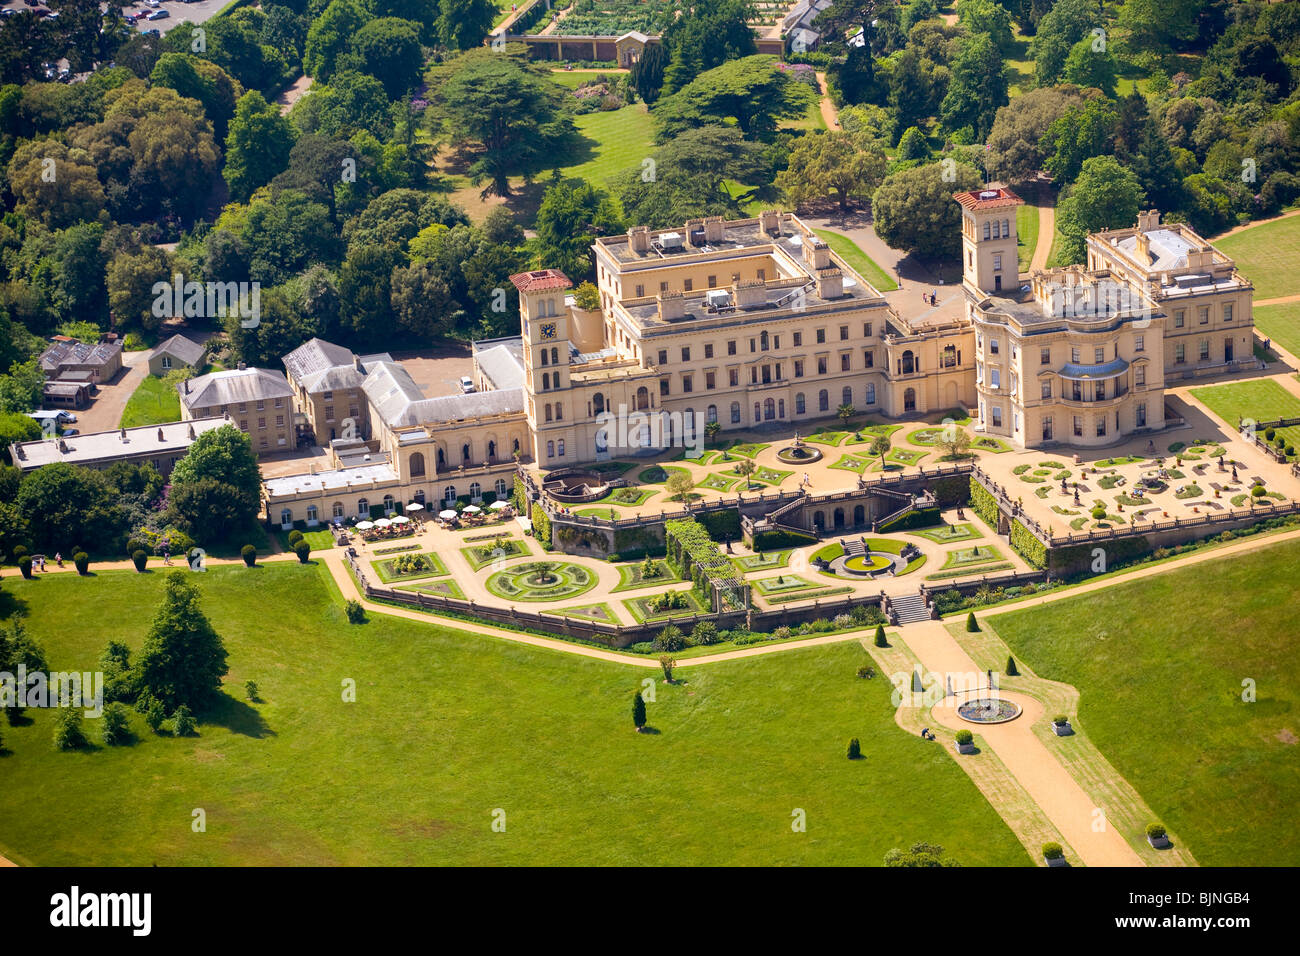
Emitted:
<point x="152" y="403"/>
<point x="1162" y="695"/>
<point x="448" y="728"/>
<point x="617" y="140"/>
<point x="1026" y="235"/>
<point x="1281" y="323"/>
<point x="1268" y="255"/>
<point x="859" y="261"/>
<point x="1263" y="400"/>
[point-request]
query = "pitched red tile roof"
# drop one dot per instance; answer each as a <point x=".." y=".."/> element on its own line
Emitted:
<point x="994" y="198"/>
<point x="542" y="280"/>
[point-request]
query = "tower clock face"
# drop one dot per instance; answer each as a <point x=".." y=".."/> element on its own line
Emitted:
<point x="548" y="330"/>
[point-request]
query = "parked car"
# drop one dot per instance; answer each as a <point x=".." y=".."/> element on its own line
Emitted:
<point x="158" y="15"/>
<point x="152" y="3"/>
<point x="70" y="431"/>
<point x="466" y="384"/>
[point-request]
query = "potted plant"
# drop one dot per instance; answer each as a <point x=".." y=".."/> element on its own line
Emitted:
<point x="965" y="742"/>
<point x="1054" y="855"/>
<point x="1157" y="836"/>
<point x="1061" y="726"/>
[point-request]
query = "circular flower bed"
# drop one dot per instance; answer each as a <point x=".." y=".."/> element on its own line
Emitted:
<point x="541" y="581"/>
<point x="865" y="565"/>
<point x="988" y="710"/>
<point x="798" y="455"/>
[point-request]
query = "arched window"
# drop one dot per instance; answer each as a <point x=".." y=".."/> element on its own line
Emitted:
<point x="501" y="488"/>
<point x="516" y="444"/>
<point x="546" y="381"/>
<point x="763" y="341"/>
<point x="769" y="410"/>
<point x="871" y="393"/>
<point x="449" y="494"/>
<point x="987" y="227"/>
<point x="388" y="504"/>
<point x="735" y="413"/>
<point x="312" y="515"/>
<point x="800" y="405"/>
<point x="555" y="360"/>
<point x="758" y="412"/>
<point x="997" y="229"/>
<point x="419" y="496"/>
<point x="560" y="448"/>
<point x="559" y="411"/>
<point x="547" y="409"/>
<point x="545" y="357"/>
<point x="909" y="400"/>
<point x="949" y="356"/>
<point x="363" y="507"/>
<point x="337" y="510"/>
<point x="416" y="467"/>
<point x="442" y="459"/>
<point x="908" y="365"/>
<point x="598" y="403"/>
<point x="286" y="517"/>
<point x="780" y="408"/>
<point x="642" y="398"/>
<point x="1006" y="227"/>
<point x="711" y="415"/>
<point x="823" y="401"/>
<point x="550" y="449"/>
<point x="475" y="492"/>
<point x="846" y="396"/>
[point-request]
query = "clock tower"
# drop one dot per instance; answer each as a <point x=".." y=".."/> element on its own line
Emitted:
<point x="545" y="326"/>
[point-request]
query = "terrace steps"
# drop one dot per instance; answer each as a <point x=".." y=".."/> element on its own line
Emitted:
<point x="909" y="608"/>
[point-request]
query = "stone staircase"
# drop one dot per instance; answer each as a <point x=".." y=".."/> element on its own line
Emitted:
<point x="909" y="608"/>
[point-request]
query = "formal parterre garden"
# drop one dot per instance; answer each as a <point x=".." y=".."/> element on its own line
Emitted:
<point x="408" y="566"/>
<point x="542" y="581"/>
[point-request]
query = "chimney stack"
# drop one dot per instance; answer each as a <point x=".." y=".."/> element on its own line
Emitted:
<point x="191" y="431"/>
<point x="671" y="305"/>
<point x="160" y="434"/>
<point x="242" y="367"/>
<point x="638" y="238"/>
<point x="769" y="220"/>
<point x="816" y="253"/>
<point x="122" y="435"/>
<point x="830" y="283"/>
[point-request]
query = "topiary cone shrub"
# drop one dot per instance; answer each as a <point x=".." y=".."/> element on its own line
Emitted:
<point x="81" y="561"/>
<point x="25" y="566"/>
<point x="964" y="737"/>
<point x="249" y="554"/>
<point x="972" y="625"/>
<point x="855" y="749"/>
<point x="1012" y="670"/>
<point x="303" y="550"/>
<point x="880" y="636"/>
<point x="139" y="559"/>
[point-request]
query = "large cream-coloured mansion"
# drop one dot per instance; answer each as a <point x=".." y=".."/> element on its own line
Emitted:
<point x="756" y="322"/>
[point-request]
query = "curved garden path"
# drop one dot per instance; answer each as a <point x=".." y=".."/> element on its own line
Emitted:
<point x="830" y="115"/>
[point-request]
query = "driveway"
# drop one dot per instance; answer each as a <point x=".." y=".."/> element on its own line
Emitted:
<point x="105" y="412"/>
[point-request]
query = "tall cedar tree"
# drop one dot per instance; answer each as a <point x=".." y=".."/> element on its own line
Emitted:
<point x="182" y="660"/>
